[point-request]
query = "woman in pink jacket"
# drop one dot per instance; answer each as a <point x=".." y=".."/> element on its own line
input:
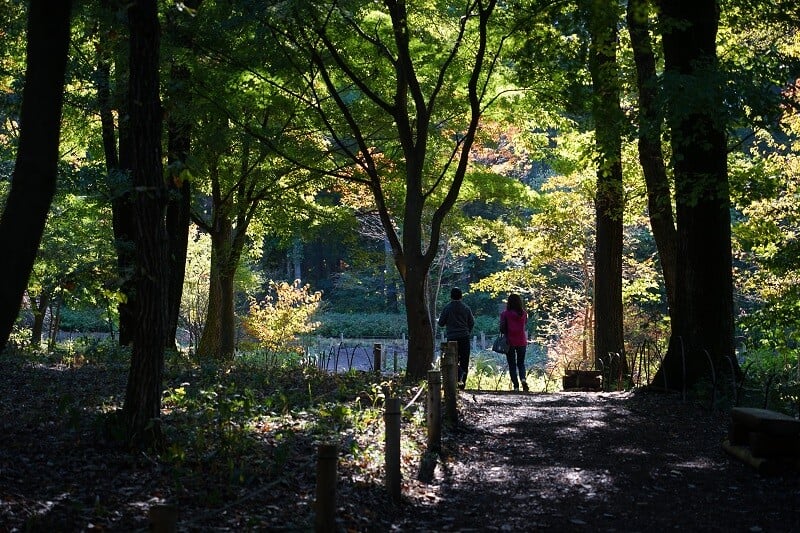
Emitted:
<point x="513" y="322"/>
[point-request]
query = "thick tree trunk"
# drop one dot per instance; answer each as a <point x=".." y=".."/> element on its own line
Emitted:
<point x="704" y="326"/>
<point x="609" y="202"/>
<point x="142" y="408"/>
<point x="218" y="338"/>
<point x="651" y="156"/>
<point x="34" y="180"/>
<point x="420" y="328"/>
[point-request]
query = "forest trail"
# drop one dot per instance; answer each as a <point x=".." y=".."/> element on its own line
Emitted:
<point x="577" y="461"/>
<point x="597" y="462"/>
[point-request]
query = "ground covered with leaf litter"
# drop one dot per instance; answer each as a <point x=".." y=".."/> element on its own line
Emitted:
<point x="516" y="462"/>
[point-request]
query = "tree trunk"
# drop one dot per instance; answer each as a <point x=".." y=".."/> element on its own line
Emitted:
<point x="704" y="325"/>
<point x="178" y="209"/>
<point x="420" y="328"/>
<point x="609" y="202"/>
<point x="34" y="180"/>
<point x="389" y="282"/>
<point x="142" y="408"/>
<point x="651" y="156"/>
<point x="118" y="166"/>
<point x="218" y="338"/>
<point x="39" y="312"/>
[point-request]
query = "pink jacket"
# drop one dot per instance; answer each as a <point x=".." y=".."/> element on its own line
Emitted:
<point x="515" y="326"/>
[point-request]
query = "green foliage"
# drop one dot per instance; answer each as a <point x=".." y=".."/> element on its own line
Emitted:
<point x="235" y="424"/>
<point x="364" y="325"/>
<point x="772" y="378"/>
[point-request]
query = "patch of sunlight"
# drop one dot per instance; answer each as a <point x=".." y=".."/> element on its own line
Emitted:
<point x="590" y="484"/>
<point x="625" y="450"/>
<point x="698" y="463"/>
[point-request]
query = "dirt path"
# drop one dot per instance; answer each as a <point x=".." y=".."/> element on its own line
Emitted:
<point x="516" y="462"/>
<point x="597" y="462"/>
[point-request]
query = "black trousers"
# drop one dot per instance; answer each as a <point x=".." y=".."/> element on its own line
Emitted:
<point x="463" y="358"/>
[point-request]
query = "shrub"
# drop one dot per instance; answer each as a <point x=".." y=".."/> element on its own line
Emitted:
<point x="282" y="315"/>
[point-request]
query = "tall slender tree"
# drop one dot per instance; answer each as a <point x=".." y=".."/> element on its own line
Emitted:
<point x="609" y="199"/>
<point x="34" y="179"/>
<point x="112" y="96"/>
<point x="651" y="154"/>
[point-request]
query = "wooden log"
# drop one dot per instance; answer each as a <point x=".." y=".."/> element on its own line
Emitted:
<point x="761" y="464"/>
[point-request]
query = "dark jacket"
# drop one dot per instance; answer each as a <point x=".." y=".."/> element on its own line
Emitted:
<point x="458" y="320"/>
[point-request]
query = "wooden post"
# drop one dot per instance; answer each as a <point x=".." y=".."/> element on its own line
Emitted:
<point x="391" y="419"/>
<point x="376" y="354"/>
<point x="163" y="518"/>
<point x="450" y="379"/>
<point x="434" y="413"/>
<point x="327" y="459"/>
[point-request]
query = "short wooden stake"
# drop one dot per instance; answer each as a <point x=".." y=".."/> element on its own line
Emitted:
<point x="450" y="379"/>
<point x="376" y="354"/>
<point x="391" y="419"/>
<point x="434" y="413"/>
<point x="327" y="462"/>
<point x="163" y="518"/>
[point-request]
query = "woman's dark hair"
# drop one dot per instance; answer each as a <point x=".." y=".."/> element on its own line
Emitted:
<point x="515" y="303"/>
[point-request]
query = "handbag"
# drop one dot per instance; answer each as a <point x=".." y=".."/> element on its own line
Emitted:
<point x="500" y="344"/>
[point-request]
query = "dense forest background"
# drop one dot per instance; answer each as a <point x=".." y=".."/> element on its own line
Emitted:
<point x="231" y="177"/>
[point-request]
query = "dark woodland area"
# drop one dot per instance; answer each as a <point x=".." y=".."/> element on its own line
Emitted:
<point x="570" y="461"/>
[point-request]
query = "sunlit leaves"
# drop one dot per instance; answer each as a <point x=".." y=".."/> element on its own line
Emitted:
<point x="282" y="315"/>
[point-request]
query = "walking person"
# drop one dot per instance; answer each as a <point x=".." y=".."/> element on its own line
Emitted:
<point x="458" y="321"/>
<point x="513" y="323"/>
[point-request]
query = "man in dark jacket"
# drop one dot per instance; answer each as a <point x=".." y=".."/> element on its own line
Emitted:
<point x="457" y="318"/>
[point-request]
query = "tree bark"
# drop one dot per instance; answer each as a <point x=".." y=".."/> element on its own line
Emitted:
<point x="609" y="201"/>
<point x="420" y="328"/>
<point x="34" y="180"/>
<point x="651" y="156"/>
<point x="142" y="408"/>
<point x="218" y="338"/>
<point x="704" y="326"/>
<point x="39" y="313"/>
<point x="178" y="208"/>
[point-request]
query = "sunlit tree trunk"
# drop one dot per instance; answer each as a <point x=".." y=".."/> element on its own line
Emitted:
<point x="218" y="338"/>
<point x="609" y="200"/>
<point x="34" y="180"/>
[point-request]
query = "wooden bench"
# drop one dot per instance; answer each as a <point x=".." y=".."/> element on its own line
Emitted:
<point x="767" y="440"/>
